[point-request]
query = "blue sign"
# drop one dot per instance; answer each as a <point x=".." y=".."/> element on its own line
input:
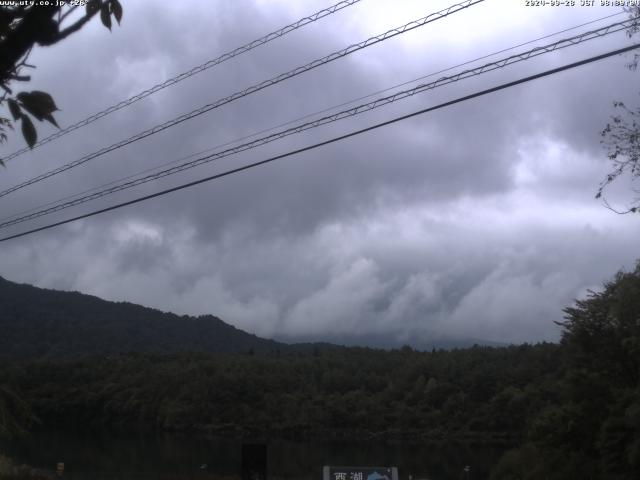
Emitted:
<point x="359" y="473"/>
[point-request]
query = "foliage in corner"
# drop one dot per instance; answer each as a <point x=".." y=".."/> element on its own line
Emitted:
<point x="593" y="429"/>
<point x="21" y="28"/>
<point x="621" y="136"/>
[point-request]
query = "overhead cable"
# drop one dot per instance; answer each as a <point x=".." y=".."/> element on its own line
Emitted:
<point x="189" y="73"/>
<point x="298" y="119"/>
<point x="327" y="142"/>
<point x="250" y="90"/>
<point x="488" y="67"/>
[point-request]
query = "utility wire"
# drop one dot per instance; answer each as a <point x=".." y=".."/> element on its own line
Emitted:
<point x="253" y="89"/>
<point x="189" y="73"/>
<point x="309" y="115"/>
<point x="564" y="43"/>
<point x="332" y="140"/>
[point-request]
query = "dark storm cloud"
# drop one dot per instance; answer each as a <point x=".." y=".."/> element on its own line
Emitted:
<point x="453" y="223"/>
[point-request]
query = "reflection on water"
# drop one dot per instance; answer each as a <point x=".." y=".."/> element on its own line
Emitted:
<point x="172" y="457"/>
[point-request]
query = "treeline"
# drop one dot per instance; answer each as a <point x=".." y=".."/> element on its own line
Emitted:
<point x="477" y="392"/>
<point x="592" y="428"/>
<point x="571" y="410"/>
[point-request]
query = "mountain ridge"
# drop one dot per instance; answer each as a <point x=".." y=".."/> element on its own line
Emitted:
<point x="54" y="324"/>
<point x="45" y="323"/>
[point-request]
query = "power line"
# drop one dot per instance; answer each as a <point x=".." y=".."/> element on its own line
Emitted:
<point x="555" y="46"/>
<point x="253" y="89"/>
<point x="304" y="117"/>
<point x="189" y="73"/>
<point x="332" y="140"/>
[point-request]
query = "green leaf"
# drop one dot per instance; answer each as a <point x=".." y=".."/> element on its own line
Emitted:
<point x="49" y="118"/>
<point x="14" y="108"/>
<point x="29" y="131"/>
<point x="116" y="9"/>
<point x="39" y="104"/>
<point x="105" y="15"/>
<point x="33" y="112"/>
<point x="44" y="99"/>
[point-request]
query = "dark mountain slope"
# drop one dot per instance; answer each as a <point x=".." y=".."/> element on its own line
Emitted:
<point x="41" y="323"/>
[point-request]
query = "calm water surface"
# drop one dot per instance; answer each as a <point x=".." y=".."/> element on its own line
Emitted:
<point x="108" y="457"/>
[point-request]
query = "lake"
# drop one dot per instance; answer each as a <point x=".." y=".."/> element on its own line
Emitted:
<point x="168" y="457"/>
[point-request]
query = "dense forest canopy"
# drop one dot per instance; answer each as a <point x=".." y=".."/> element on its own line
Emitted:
<point x="357" y="392"/>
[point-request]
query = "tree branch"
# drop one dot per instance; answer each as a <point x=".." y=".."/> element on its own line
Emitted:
<point x="619" y="212"/>
<point x="35" y="25"/>
<point x="70" y="29"/>
<point x="66" y="14"/>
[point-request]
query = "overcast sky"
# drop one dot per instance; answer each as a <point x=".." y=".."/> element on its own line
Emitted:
<point x="477" y="220"/>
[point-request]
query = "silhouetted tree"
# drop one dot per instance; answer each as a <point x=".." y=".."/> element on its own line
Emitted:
<point x="22" y="27"/>
<point x="621" y="136"/>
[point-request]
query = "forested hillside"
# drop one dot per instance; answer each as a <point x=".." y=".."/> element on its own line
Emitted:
<point x="40" y="323"/>
<point x="52" y="324"/>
